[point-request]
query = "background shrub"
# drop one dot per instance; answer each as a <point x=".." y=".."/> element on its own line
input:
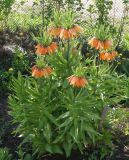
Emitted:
<point x="10" y="65"/>
<point x="4" y="154"/>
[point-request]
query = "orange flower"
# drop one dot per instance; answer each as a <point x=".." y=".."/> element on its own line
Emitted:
<point x="78" y="82"/>
<point x="93" y="42"/>
<point x="55" y="31"/>
<point x="58" y="31"/>
<point x="97" y="44"/>
<point x="72" y="33"/>
<point x="46" y="50"/>
<point x="38" y="73"/>
<point x="77" y="29"/>
<point x="68" y="33"/>
<point x="114" y="54"/>
<point x="100" y="45"/>
<point x="49" y="50"/>
<point x="53" y="46"/>
<point x="107" y="44"/>
<point x="108" y="56"/>
<point x="40" y="50"/>
<point x="65" y="33"/>
<point x="47" y="71"/>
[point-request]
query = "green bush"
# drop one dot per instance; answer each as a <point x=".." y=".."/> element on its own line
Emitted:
<point x="58" y="118"/>
<point x="24" y="22"/>
<point x="10" y="66"/>
<point x="5" y="7"/>
<point x="4" y="154"/>
<point x="57" y="114"/>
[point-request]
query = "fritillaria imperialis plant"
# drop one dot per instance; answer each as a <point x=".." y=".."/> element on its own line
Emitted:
<point x="101" y="41"/>
<point x="44" y="47"/>
<point x="65" y="25"/>
<point x="103" y="44"/>
<point x="59" y="107"/>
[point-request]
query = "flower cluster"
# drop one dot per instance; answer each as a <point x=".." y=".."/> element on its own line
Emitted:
<point x="44" y="47"/>
<point x="41" y="50"/>
<point x="103" y="43"/>
<point x="102" y="46"/>
<point x="65" y="33"/>
<point x="98" y="44"/>
<point x="41" y="72"/>
<point x="108" y="55"/>
<point x="78" y="82"/>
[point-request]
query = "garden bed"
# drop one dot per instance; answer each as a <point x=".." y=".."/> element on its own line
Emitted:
<point x="64" y="81"/>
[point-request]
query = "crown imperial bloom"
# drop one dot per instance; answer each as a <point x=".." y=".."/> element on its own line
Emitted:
<point x="41" y="72"/>
<point x="108" y="56"/>
<point x="41" y="50"/>
<point x="66" y="33"/>
<point x="78" y="82"/>
<point x="98" y="44"/>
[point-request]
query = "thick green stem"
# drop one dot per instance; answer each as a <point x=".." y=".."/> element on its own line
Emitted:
<point x="68" y="52"/>
<point x="98" y="64"/>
